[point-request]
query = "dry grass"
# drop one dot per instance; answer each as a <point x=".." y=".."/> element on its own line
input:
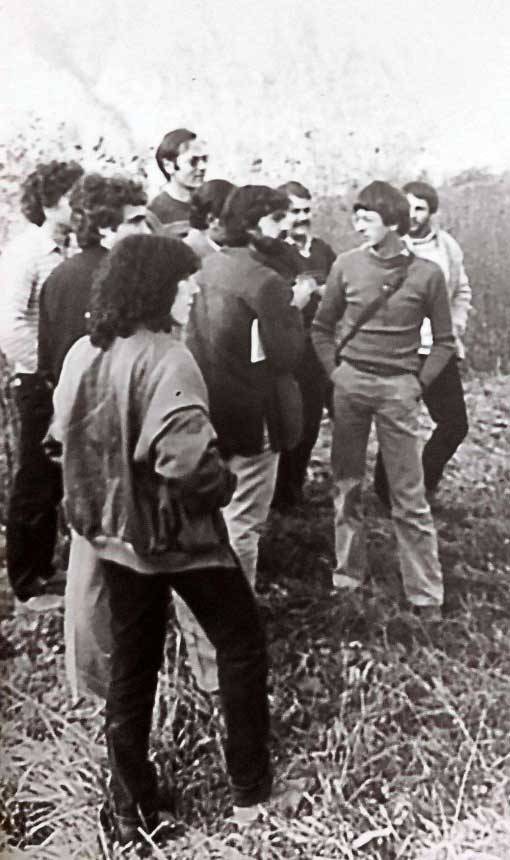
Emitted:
<point x="390" y="742"/>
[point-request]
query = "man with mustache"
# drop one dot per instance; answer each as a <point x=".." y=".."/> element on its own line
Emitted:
<point x="315" y="259"/>
<point x="444" y="398"/>
<point x="182" y="159"/>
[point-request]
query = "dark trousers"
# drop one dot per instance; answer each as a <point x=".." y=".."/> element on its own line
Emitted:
<point x="293" y="464"/>
<point x="444" y="399"/>
<point x="35" y="493"/>
<point x="224" y="605"/>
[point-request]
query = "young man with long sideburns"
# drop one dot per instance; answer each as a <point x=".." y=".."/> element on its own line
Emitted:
<point x="380" y="378"/>
<point x="182" y="159"/>
<point x="444" y="399"/>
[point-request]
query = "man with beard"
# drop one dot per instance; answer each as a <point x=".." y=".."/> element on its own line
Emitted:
<point x="26" y="262"/>
<point x="182" y="159"/>
<point x="315" y="260"/>
<point x="246" y="334"/>
<point x="444" y="398"/>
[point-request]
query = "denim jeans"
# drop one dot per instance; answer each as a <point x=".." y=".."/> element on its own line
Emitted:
<point x="36" y="492"/>
<point x="244" y="517"/>
<point x="444" y="399"/>
<point x="393" y="403"/>
<point x="223" y="603"/>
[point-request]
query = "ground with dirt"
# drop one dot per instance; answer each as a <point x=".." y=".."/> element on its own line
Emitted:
<point x="390" y="741"/>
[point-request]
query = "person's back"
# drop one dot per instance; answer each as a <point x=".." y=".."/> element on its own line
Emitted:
<point x="237" y="290"/>
<point x="142" y="475"/>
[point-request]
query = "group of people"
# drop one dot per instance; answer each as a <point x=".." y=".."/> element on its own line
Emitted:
<point x="171" y="363"/>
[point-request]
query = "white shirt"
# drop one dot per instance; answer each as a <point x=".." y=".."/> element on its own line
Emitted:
<point x="24" y="266"/>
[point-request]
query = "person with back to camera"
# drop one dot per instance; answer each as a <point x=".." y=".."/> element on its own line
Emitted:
<point x="246" y="334"/>
<point x="144" y="483"/>
<point x="206" y="232"/>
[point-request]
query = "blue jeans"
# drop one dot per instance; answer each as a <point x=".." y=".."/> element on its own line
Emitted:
<point x="223" y="603"/>
<point x="392" y="402"/>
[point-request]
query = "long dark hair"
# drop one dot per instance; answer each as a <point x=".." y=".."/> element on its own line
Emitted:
<point x="137" y="285"/>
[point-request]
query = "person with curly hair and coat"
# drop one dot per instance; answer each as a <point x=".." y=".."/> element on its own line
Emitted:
<point x="25" y="264"/>
<point x="144" y="483"/>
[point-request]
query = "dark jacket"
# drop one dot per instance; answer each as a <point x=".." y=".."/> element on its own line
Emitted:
<point x="63" y="304"/>
<point x="236" y="290"/>
<point x="140" y="457"/>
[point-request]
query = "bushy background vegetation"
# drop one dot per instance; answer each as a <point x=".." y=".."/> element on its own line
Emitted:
<point x="390" y="741"/>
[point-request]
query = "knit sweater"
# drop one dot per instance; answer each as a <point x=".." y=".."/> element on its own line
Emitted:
<point x="391" y="338"/>
<point x="441" y="248"/>
<point x="171" y="212"/>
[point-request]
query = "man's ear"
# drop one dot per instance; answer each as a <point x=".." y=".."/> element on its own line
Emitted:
<point x="211" y="219"/>
<point x="169" y="166"/>
<point x="394" y="227"/>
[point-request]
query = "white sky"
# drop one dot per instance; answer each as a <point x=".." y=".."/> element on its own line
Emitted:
<point x="380" y="85"/>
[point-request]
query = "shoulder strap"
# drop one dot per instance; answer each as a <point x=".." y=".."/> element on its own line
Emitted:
<point x="388" y="289"/>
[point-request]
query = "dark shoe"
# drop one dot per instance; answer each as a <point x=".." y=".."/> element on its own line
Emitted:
<point x="116" y="831"/>
<point x="428" y="614"/>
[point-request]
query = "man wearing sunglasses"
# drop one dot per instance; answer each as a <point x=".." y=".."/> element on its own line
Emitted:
<point x="182" y="159"/>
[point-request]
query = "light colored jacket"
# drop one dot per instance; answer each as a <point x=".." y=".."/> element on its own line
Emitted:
<point x="441" y="248"/>
<point x="140" y="459"/>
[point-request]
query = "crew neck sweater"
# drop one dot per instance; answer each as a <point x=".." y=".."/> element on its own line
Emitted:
<point x="173" y="213"/>
<point x="391" y="338"/>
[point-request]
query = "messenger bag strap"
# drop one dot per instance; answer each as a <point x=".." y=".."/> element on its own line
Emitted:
<point x="388" y="289"/>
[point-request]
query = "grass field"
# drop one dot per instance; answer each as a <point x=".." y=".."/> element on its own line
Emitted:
<point x="390" y="741"/>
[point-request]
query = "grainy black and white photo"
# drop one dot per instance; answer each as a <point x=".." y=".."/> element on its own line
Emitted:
<point x="255" y="430"/>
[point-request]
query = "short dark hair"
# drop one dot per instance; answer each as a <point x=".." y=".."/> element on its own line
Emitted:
<point x="296" y="189"/>
<point x="208" y="200"/>
<point x="425" y="192"/>
<point x="124" y="191"/>
<point x="390" y="203"/>
<point x="136" y="286"/>
<point x="44" y="187"/>
<point x="245" y="206"/>
<point x="171" y="146"/>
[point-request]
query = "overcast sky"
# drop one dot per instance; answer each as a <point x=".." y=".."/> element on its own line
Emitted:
<point x="355" y="86"/>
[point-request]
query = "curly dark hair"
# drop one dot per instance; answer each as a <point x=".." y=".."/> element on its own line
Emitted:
<point x="243" y="209"/>
<point x="91" y="209"/>
<point x="45" y="186"/>
<point x="208" y="200"/>
<point x="98" y="202"/>
<point x="136" y="286"/>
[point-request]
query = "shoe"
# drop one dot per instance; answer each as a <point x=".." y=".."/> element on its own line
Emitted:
<point x="114" y="830"/>
<point x="428" y="614"/>
<point x="245" y="816"/>
<point x="40" y="603"/>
